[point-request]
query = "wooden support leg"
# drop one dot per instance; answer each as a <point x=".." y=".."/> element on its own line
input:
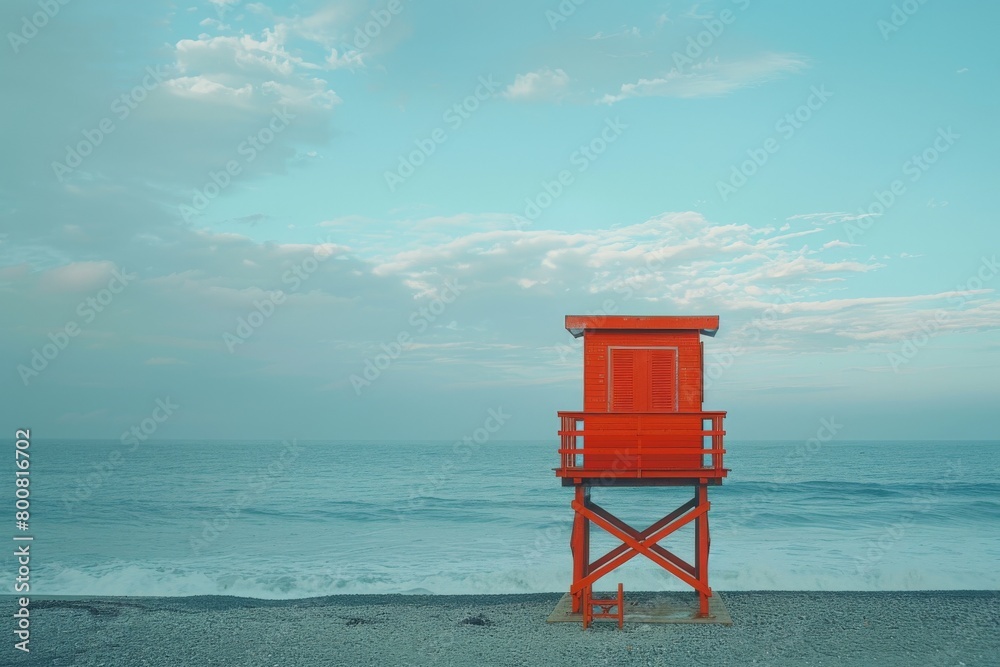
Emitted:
<point x="701" y="548"/>
<point x="699" y="529"/>
<point x="635" y="543"/>
<point x="621" y="606"/>
<point x="580" y="546"/>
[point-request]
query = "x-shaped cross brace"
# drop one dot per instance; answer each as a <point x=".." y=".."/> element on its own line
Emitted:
<point x="643" y="542"/>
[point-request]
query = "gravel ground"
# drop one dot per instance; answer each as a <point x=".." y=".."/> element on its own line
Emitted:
<point x="770" y="628"/>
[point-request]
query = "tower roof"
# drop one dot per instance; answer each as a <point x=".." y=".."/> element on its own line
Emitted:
<point x="578" y="324"/>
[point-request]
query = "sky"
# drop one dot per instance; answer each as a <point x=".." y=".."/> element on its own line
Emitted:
<point x="368" y="220"/>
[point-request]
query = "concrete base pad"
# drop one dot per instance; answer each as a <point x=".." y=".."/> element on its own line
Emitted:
<point x="666" y="607"/>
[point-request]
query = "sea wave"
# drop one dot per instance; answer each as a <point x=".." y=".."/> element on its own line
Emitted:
<point x="145" y="579"/>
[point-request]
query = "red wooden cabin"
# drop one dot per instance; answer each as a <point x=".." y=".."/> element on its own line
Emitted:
<point x="642" y="425"/>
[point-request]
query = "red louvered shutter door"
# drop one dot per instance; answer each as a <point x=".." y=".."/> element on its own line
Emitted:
<point x="643" y="380"/>
<point x="663" y="380"/>
<point x="622" y="384"/>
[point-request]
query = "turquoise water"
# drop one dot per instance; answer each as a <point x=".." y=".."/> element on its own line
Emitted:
<point x="267" y="520"/>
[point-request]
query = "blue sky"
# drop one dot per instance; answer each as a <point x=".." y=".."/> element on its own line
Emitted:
<point x="241" y="207"/>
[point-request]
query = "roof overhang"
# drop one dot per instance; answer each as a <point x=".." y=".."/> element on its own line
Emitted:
<point x="580" y="324"/>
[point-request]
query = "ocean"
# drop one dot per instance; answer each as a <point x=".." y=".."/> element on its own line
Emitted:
<point x="300" y="519"/>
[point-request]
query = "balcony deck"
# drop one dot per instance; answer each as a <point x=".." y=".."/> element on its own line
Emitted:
<point x="641" y="448"/>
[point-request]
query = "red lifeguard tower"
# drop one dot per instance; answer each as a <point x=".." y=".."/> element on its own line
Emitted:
<point x="642" y="425"/>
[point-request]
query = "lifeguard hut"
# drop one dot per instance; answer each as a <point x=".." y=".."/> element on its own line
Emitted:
<point x="642" y="425"/>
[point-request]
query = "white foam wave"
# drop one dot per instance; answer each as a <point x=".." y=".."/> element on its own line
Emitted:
<point x="133" y="579"/>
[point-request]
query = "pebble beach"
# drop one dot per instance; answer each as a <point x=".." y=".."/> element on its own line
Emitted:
<point x="769" y="628"/>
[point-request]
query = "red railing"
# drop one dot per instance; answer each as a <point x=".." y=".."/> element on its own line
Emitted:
<point x="642" y="444"/>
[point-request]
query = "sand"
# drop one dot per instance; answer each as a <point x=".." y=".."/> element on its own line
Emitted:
<point x="770" y="628"/>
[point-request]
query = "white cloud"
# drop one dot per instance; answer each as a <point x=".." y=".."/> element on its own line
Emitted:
<point x="76" y="277"/>
<point x="711" y="78"/>
<point x="516" y="285"/>
<point x="323" y="26"/>
<point x="214" y="23"/>
<point x="542" y="84"/>
<point x="830" y="218"/>
<point x="624" y="32"/>
<point x="677" y="262"/>
<point x="348" y="59"/>
<point x="689" y="253"/>
<point x="217" y="55"/>
<point x="203" y="88"/>
<point x="252" y="71"/>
